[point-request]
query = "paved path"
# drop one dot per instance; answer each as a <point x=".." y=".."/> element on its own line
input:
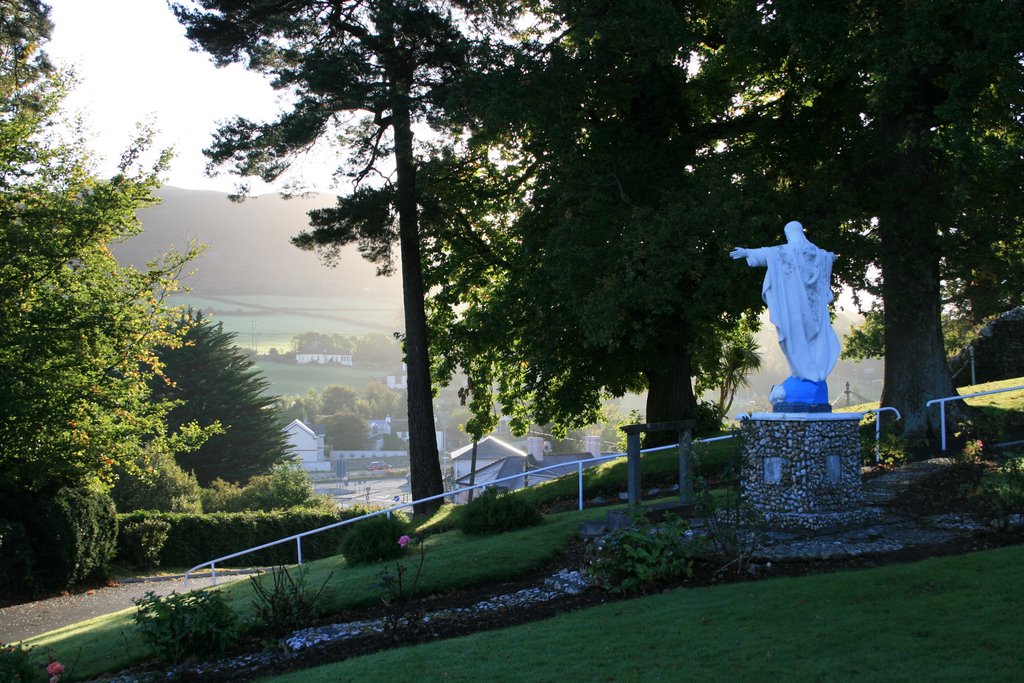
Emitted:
<point x="33" y="618"/>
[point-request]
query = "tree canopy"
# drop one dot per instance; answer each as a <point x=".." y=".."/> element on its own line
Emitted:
<point x="898" y="127"/>
<point x="77" y="331"/>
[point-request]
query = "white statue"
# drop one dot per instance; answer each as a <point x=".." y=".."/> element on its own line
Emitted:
<point x="797" y="290"/>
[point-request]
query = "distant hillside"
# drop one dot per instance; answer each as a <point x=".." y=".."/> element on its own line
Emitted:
<point x="248" y="249"/>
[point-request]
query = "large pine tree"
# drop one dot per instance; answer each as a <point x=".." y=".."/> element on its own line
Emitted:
<point x="365" y="72"/>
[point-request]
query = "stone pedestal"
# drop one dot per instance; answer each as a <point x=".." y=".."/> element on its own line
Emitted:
<point x="802" y="470"/>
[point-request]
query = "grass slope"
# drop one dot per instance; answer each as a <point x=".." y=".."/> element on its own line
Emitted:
<point x="110" y="643"/>
<point x="956" y="618"/>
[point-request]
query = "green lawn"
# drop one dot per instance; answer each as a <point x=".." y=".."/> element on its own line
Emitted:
<point x="951" y="619"/>
<point x="1009" y="400"/>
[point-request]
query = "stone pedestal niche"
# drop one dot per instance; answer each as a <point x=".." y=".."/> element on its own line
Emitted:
<point x="802" y="470"/>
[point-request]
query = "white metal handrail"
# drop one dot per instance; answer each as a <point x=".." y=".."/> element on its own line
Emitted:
<point x="878" y="427"/>
<point x="943" y="401"/>
<point x="212" y="564"/>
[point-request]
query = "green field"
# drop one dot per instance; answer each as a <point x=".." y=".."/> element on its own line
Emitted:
<point x="265" y="321"/>
<point x="292" y="380"/>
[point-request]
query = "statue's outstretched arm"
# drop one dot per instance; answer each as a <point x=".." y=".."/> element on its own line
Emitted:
<point x="738" y="253"/>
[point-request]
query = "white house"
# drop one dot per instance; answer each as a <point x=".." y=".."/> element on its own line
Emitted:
<point x="324" y="358"/>
<point x="399" y="382"/>
<point x="308" y="445"/>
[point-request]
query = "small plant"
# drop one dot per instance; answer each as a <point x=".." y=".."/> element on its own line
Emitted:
<point x="1002" y="494"/>
<point x="399" y="615"/>
<point x="287" y="604"/>
<point x="17" y="664"/>
<point x="182" y="625"/>
<point x="142" y="540"/>
<point x="731" y="534"/>
<point x="888" y="449"/>
<point x="496" y="512"/>
<point x="973" y="451"/>
<point x="373" y="539"/>
<point x="640" y="558"/>
<point x="54" y="670"/>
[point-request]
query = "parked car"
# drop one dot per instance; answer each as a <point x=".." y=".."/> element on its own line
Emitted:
<point x="379" y="467"/>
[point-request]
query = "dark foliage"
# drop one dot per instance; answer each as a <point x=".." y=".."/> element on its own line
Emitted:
<point x="216" y="381"/>
<point x="72" y="534"/>
<point x="375" y="539"/>
<point x="495" y="512"/>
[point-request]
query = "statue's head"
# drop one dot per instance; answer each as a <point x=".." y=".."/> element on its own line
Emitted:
<point x="794" y="232"/>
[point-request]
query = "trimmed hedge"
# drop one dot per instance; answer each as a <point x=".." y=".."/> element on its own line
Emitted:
<point x="192" y="538"/>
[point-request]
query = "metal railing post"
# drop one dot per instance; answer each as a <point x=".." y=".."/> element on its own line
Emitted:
<point x="579" y="469"/>
<point x="298" y="548"/>
<point x="942" y="420"/>
<point x="878" y="428"/>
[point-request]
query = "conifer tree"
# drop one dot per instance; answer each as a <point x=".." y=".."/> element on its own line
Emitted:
<point x="215" y="382"/>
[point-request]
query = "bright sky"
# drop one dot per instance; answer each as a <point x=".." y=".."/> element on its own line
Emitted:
<point x="135" y="65"/>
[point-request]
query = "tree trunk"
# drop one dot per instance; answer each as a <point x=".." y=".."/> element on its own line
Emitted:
<point x="472" y="471"/>
<point x="424" y="466"/>
<point x="916" y="369"/>
<point x="669" y="393"/>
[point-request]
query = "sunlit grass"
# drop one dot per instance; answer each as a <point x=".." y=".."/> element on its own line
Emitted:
<point x="951" y="619"/>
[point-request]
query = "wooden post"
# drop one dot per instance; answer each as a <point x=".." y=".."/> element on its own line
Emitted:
<point x="684" y="429"/>
<point x="633" y="469"/>
<point x="685" y="467"/>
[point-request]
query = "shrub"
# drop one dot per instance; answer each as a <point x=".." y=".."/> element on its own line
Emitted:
<point x="495" y="512"/>
<point x="374" y="539"/>
<point x="181" y="625"/>
<point x="1002" y="494"/>
<point x="222" y="496"/>
<point x="893" y="450"/>
<point x="160" y="485"/>
<point x="72" y="533"/>
<point x="286" y="604"/>
<point x="140" y="541"/>
<point x="283" y="488"/>
<point x="640" y="558"/>
<point x="17" y="664"/>
<point x="15" y="560"/>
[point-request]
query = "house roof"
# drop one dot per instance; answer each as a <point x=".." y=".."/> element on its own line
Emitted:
<point x="300" y="426"/>
<point x="505" y="467"/>
<point x="489" y="448"/>
<point x="551" y="459"/>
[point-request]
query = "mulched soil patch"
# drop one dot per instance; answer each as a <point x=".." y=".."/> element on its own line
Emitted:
<point x="944" y="491"/>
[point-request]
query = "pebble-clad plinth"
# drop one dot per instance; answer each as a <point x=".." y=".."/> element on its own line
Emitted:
<point x="802" y="470"/>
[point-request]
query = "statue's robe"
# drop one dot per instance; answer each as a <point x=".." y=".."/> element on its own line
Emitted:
<point x="797" y="291"/>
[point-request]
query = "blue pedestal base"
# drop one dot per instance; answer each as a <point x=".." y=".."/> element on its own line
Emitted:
<point x="803" y="396"/>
